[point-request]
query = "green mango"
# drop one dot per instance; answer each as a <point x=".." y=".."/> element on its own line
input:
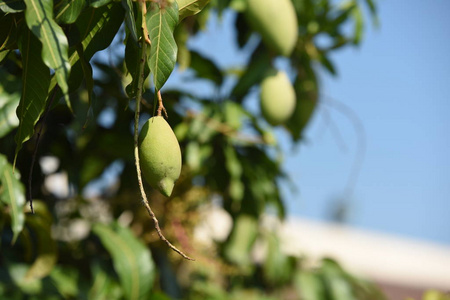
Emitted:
<point x="277" y="98"/>
<point x="160" y="155"/>
<point x="276" y="21"/>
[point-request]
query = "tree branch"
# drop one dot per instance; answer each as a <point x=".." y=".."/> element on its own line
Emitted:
<point x="143" y="58"/>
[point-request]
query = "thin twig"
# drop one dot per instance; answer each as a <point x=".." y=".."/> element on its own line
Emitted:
<point x="136" y="148"/>
<point x="38" y="139"/>
<point x="161" y="106"/>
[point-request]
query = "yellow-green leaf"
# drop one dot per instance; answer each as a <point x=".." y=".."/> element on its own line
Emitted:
<point x="12" y="194"/>
<point x="190" y="7"/>
<point x="131" y="258"/>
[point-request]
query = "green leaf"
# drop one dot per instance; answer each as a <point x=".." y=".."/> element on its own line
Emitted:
<point x="278" y="268"/>
<point x="12" y="194"/>
<point x="104" y="286"/>
<point x="98" y="3"/>
<point x="10" y="89"/>
<point x="310" y="286"/>
<point x="205" y="68"/>
<point x="36" y="80"/>
<point x="306" y="90"/>
<point x="47" y="250"/>
<point x="241" y="240"/>
<point x="129" y="19"/>
<point x="39" y="18"/>
<point x="133" y="54"/>
<point x="131" y="258"/>
<point x="163" y="53"/>
<point x="97" y="28"/>
<point x="67" y="11"/>
<point x="65" y="280"/>
<point x="190" y="7"/>
<point x="12" y="6"/>
<point x="8" y="33"/>
<point x="256" y="69"/>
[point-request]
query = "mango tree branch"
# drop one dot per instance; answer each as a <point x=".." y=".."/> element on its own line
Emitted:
<point x="143" y="42"/>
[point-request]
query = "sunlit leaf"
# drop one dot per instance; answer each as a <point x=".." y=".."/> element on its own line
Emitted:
<point x="98" y="3"/>
<point x="12" y="194"/>
<point x="39" y="18"/>
<point x="190" y="7"/>
<point x="36" y="80"/>
<point x="161" y="23"/>
<point x="131" y="258"/>
<point x="278" y="268"/>
<point x="65" y="280"/>
<point x="309" y="286"/>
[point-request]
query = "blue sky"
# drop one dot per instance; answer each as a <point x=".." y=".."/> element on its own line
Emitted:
<point x="398" y="85"/>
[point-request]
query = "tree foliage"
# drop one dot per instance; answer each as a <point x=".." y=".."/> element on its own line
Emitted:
<point x="90" y="237"/>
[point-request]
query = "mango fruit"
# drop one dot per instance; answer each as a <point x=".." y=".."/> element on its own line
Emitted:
<point x="160" y="155"/>
<point x="276" y="22"/>
<point x="277" y="98"/>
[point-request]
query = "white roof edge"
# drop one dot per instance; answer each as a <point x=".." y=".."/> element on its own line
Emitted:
<point x="378" y="256"/>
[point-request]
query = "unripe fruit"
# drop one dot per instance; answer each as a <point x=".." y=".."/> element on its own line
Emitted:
<point x="277" y="98"/>
<point x="160" y="155"/>
<point x="276" y="21"/>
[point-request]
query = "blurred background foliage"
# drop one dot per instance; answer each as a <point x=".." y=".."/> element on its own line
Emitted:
<point x="90" y="237"/>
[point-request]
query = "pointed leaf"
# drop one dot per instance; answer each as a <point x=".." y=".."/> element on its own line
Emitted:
<point x="12" y="6"/>
<point x="39" y="18"/>
<point x="190" y="7"/>
<point x="12" y="194"/>
<point x="131" y="258"/>
<point x="161" y="23"/>
<point x="67" y="11"/>
<point x="129" y="19"/>
<point x="205" y="68"/>
<point x="36" y="80"/>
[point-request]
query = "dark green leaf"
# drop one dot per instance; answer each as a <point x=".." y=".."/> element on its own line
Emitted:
<point x="12" y="6"/>
<point x="39" y="18"/>
<point x="133" y="54"/>
<point x="256" y="69"/>
<point x="8" y="33"/>
<point x="306" y="91"/>
<point x="10" y="89"/>
<point x="97" y="28"/>
<point x="12" y="194"/>
<point x="47" y="250"/>
<point x="190" y="7"/>
<point x="163" y="54"/>
<point x="129" y="18"/>
<point x="36" y="80"/>
<point x="131" y="258"/>
<point x="67" y="11"/>
<point x="205" y="68"/>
